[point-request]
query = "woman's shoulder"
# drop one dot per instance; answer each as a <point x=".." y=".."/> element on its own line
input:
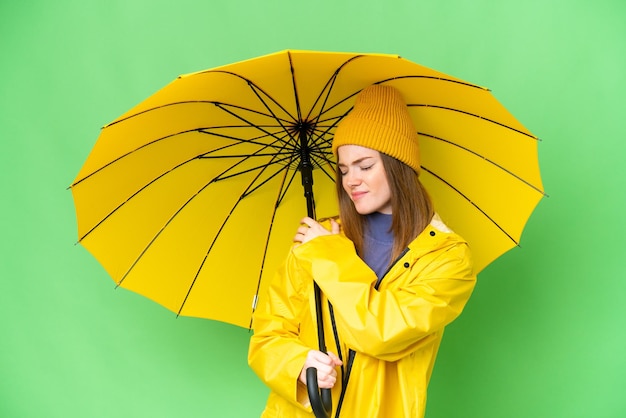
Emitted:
<point x="437" y="241"/>
<point x="437" y="234"/>
<point x="438" y="224"/>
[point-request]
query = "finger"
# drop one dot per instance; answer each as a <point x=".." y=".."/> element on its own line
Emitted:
<point x="312" y="224"/>
<point x="327" y="383"/>
<point x="325" y="372"/>
<point x="335" y="228"/>
<point x="325" y="369"/>
<point x="325" y="379"/>
<point x="308" y="221"/>
<point x="321" y="357"/>
<point x="327" y="375"/>
<point x="336" y="360"/>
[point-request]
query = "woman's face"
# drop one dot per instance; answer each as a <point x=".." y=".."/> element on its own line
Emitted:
<point x="364" y="179"/>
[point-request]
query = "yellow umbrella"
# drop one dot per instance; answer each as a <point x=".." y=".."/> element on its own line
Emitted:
<point x="192" y="197"/>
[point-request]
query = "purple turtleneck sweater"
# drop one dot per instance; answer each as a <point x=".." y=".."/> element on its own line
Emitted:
<point x="378" y="243"/>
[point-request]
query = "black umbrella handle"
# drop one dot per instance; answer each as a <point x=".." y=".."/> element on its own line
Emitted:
<point x="322" y="404"/>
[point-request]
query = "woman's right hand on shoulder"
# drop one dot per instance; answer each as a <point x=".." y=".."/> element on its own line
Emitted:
<point x="310" y="228"/>
<point x="326" y="368"/>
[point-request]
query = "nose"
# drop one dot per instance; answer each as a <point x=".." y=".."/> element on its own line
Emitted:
<point x="351" y="179"/>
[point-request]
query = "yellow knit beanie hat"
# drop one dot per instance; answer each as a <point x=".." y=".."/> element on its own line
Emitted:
<point x="380" y="120"/>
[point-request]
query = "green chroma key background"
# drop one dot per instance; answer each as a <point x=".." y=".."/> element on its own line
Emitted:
<point x="543" y="336"/>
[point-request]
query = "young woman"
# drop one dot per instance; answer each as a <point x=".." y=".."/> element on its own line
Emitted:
<point x="392" y="275"/>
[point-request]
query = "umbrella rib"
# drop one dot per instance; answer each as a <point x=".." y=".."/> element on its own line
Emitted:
<point x="258" y="186"/>
<point x="431" y="77"/>
<point x="259" y="127"/>
<point x="258" y="88"/>
<point x="182" y="102"/>
<point x="170" y="219"/>
<point x="476" y="116"/>
<point x="284" y="151"/>
<point x="200" y="130"/>
<point x="200" y="156"/>
<point x="326" y="172"/>
<point x="281" y="192"/>
<point x="255" y="88"/>
<point x="472" y="203"/>
<point x="285" y="189"/>
<point x="207" y="156"/>
<point x="253" y="141"/>
<point x="160" y="231"/>
<point x="129" y="153"/>
<point x="328" y="87"/>
<point x="321" y="136"/>
<point x="145" y="186"/>
<point x="271" y="114"/>
<point x="280" y="196"/>
<point x="295" y="88"/>
<point x="485" y="159"/>
<point x="285" y="143"/>
<point x="217" y="235"/>
<point x="334" y="76"/>
<point x="280" y="121"/>
<point x="257" y="140"/>
<point x="263" y="167"/>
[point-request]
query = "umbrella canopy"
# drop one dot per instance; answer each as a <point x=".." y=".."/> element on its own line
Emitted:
<point x="192" y="197"/>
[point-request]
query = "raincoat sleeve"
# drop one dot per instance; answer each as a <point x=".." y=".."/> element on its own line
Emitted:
<point x="276" y="354"/>
<point x="430" y="292"/>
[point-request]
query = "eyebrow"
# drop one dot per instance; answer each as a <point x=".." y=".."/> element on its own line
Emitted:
<point x="360" y="160"/>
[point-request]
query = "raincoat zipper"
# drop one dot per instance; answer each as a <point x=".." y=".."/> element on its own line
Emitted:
<point x="351" y="353"/>
<point x="379" y="281"/>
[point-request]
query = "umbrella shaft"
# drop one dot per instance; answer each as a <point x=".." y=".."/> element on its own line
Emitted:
<point x="306" y="171"/>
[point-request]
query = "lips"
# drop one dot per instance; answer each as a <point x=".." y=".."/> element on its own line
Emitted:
<point x="357" y="195"/>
